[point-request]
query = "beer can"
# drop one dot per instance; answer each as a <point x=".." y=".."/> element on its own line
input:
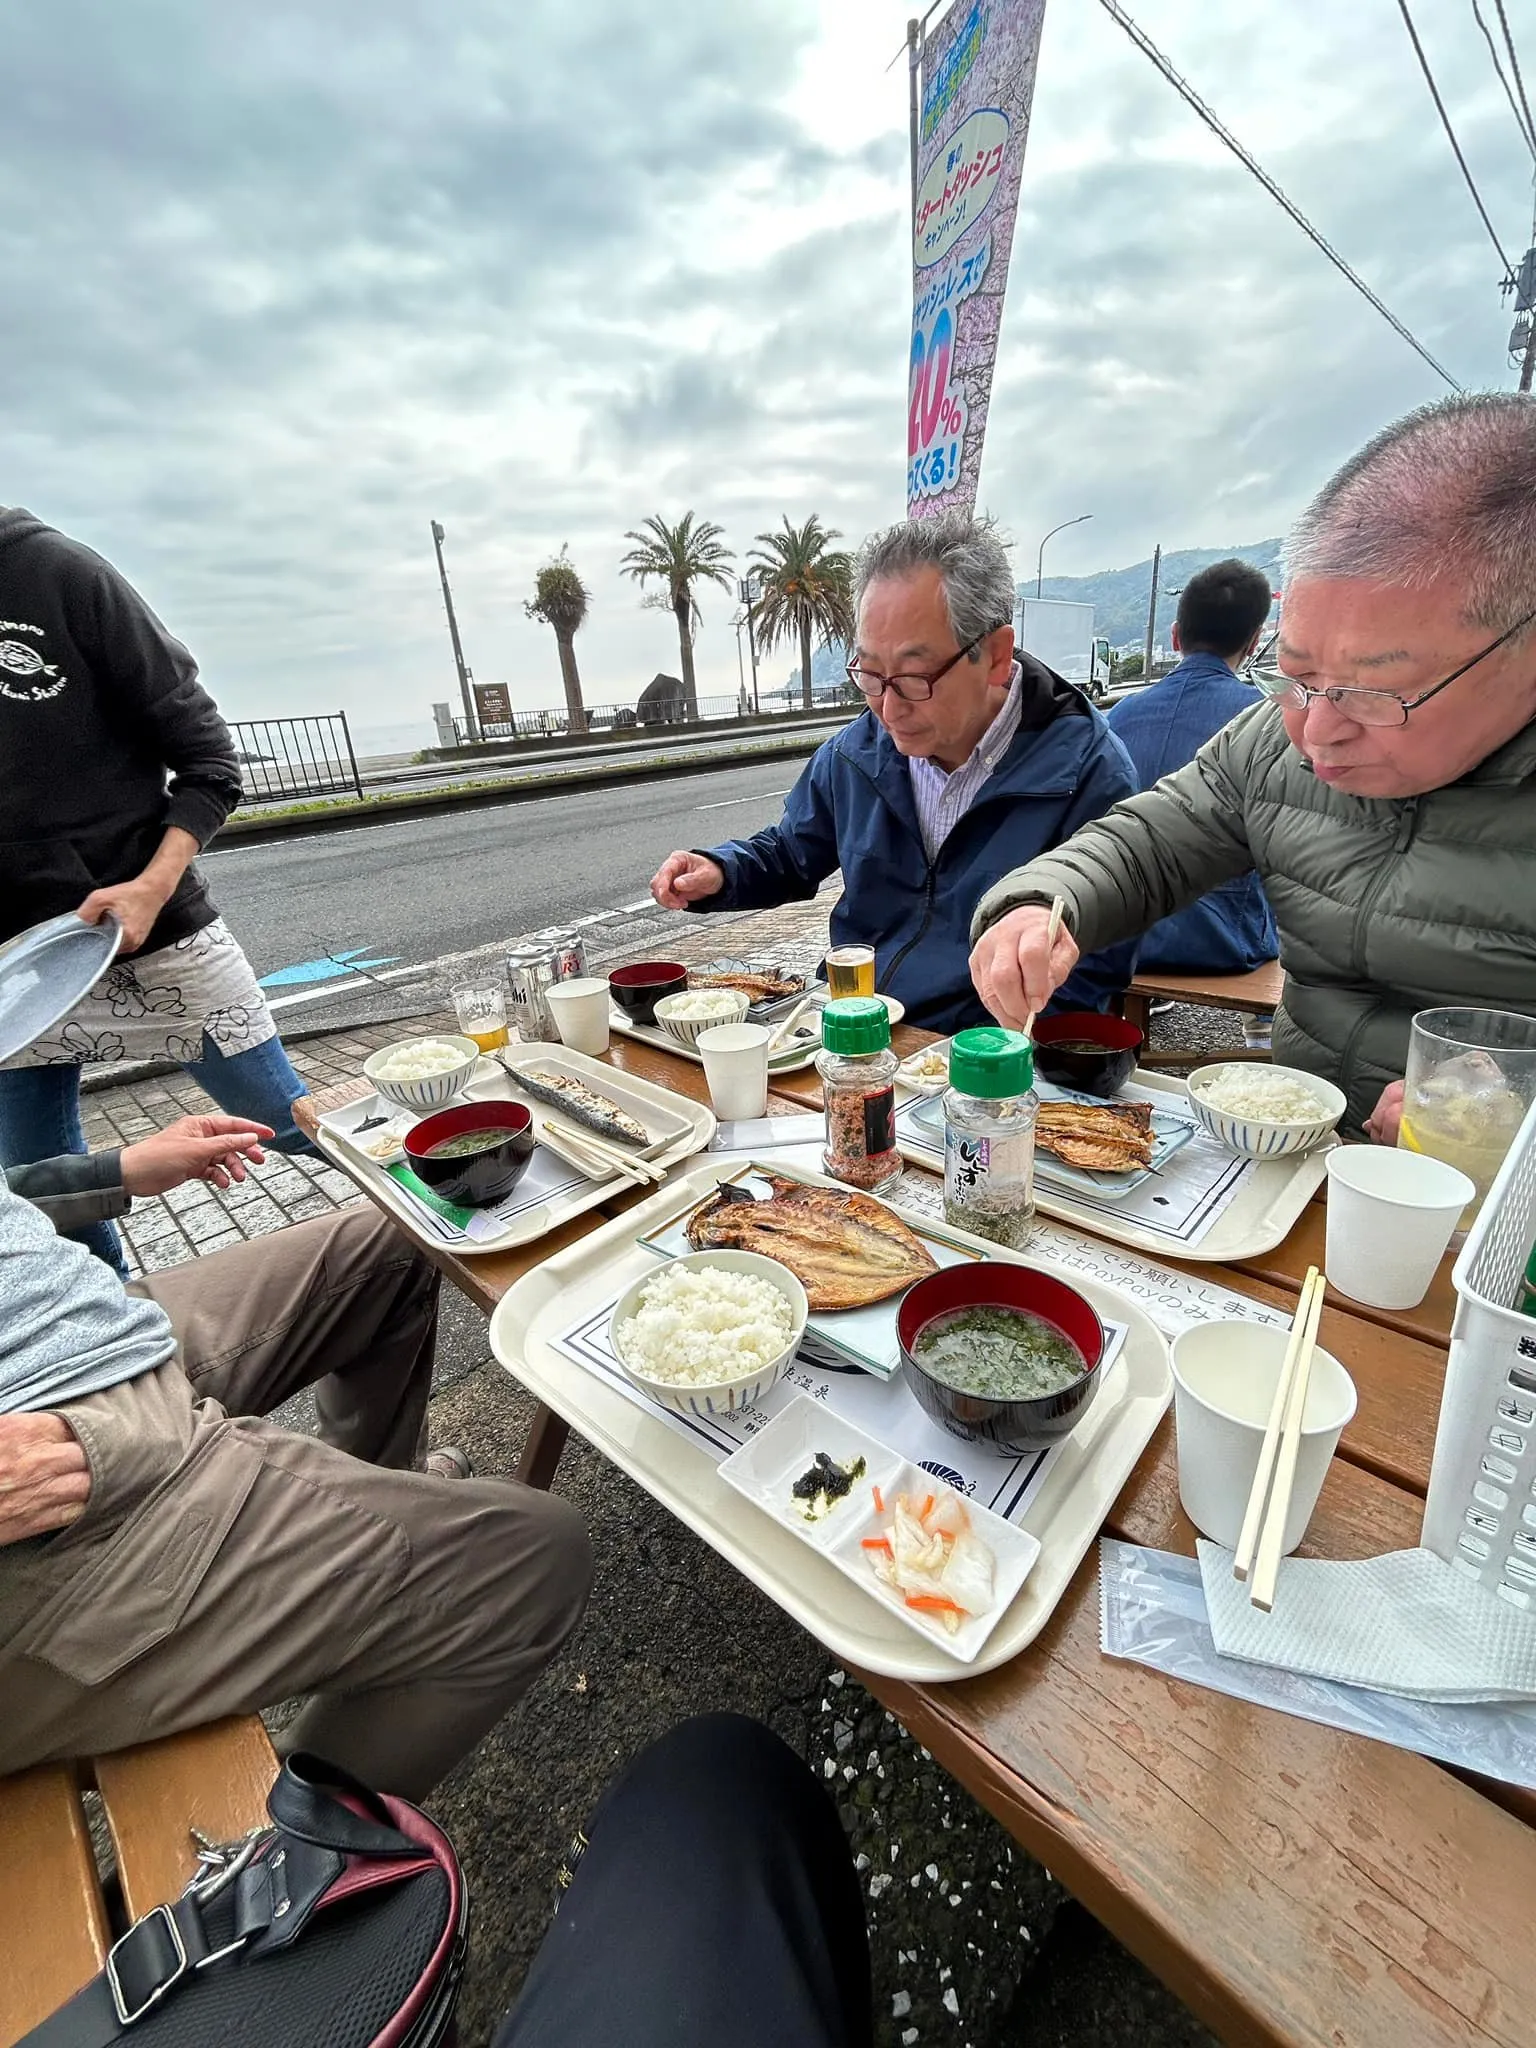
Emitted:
<point x="530" y="971"/>
<point x="569" y="953"/>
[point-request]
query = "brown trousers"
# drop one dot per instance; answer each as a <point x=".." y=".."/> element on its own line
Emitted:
<point x="223" y="1564"/>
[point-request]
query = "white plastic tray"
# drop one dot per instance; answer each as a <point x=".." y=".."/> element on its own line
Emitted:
<point x="683" y="1127"/>
<point x="1260" y="1215"/>
<point x="1066" y="1514"/>
<point x="794" y="1057"/>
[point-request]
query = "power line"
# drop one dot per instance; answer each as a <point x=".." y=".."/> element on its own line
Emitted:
<point x="1514" y="65"/>
<point x="1450" y="135"/>
<point x="1526" y="134"/>
<point x="1149" y="49"/>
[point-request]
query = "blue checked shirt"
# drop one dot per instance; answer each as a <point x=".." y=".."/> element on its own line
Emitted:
<point x="942" y="800"/>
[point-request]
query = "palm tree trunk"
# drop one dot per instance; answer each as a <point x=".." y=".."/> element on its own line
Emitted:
<point x="805" y="662"/>
<point x="685" y="655"/>
<point x="576" y="710"/>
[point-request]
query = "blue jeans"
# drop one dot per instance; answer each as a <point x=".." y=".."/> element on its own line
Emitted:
<point x="40" y="1114"/>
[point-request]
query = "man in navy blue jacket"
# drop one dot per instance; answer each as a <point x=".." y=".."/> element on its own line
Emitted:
<point x="1221" y="614"/>
<point x="969" y="760"/>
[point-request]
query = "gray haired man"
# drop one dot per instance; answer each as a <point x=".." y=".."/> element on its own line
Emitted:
<point x="970" y="759"/>
<point x="1386" y="793"/>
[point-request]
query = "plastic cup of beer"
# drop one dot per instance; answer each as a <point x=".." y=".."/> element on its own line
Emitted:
<point x="580" y="1008"/>
<point x="1471" y="1078"/>
<point x="482" y="1014"/>
<point x="850" y="972"/>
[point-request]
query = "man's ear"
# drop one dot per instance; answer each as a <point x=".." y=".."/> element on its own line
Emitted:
<point x="1173" y="636"/>
<point x="1000" y="657"/>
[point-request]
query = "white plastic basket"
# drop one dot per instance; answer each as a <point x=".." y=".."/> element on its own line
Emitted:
<point x="1481" y="1510"/>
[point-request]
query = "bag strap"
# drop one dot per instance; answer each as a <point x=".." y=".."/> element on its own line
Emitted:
<point x="274" y="1884"/>
<point x="306" y="1801"/>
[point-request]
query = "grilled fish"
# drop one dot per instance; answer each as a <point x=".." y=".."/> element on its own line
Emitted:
<point x="583" y="1105"/>
<point x="1108" y="1138"/>
<point x="846" y="1250"/>
<point x="765" y="987"/>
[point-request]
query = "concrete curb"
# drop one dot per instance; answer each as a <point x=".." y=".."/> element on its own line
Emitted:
<point x="347" y="813"/>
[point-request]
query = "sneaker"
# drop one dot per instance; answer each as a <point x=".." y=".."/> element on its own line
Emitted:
<point x="1256" y="1033"/>
<point x="1161" y="1007"/>
<point x="448" y="1463"/>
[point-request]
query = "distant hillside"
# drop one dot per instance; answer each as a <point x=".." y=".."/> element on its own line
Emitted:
<point x="1119" y="596"/>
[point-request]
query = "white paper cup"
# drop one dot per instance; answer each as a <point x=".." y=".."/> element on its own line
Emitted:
<point x="1224" y="1380"/>
<point x="735" y="1060"/>
<point x="580" y="1010"/>
<point x="1390" y="1218"/>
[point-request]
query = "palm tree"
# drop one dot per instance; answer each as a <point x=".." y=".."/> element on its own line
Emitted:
<point x="560" y="599"/>
<point x="678" y="557"/>
<point x="805" y="589"/>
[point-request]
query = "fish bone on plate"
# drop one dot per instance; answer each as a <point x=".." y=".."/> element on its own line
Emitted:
<point x="975" y="1561"/>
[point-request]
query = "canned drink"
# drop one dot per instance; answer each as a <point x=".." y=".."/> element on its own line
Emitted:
<point x="530" y="971"/>
<point x="569" y="951"/>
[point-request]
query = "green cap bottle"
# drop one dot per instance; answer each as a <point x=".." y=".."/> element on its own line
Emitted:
<point x="991" y="1062"/>
<point x="1527" y="1298"/>
<point x="856" y="1024"/>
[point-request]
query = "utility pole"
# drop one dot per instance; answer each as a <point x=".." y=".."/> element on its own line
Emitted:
<point x="914" y="68"/>
<point x="1530" y="357"/>
<point x="1146" y="659"/>
<point x="744" y="591"/>
<point x="471" y="725"/>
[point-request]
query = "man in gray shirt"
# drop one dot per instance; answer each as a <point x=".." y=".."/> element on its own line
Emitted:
<point x="167" y="1557"/>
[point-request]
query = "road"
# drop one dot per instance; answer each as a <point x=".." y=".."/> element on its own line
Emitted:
<point x="418" y="888"/>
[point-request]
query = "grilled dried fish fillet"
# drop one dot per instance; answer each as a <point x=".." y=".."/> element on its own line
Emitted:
<point x="583" y="1105"/>
<point x="765" y="987"/>
<point x="846" y="1250"/>
<point x="1108" y="1138"/>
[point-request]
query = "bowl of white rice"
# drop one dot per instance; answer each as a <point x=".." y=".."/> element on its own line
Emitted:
<point x="422" y="1073"/>
<point x="1264" y="1112"/>
<point x="685" y="1015"/>
<point x="710" y="1332"/>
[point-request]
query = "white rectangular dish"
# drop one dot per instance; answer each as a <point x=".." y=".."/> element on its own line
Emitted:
<point x="682" y="1472"/>
<point x="764" y="1470"/>
<point x="1255" y="1210"/>
<point x="551" y="1191"/>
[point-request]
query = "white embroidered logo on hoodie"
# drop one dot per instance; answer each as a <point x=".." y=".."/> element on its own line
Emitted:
<point x="24" y="663"/>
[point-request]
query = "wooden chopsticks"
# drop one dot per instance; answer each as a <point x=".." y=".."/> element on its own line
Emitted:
<point x="1052" y="931"/>
<point x="1269" y="1503"/>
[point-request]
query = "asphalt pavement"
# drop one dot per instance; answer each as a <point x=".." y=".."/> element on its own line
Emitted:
<point x="415" y="889"/>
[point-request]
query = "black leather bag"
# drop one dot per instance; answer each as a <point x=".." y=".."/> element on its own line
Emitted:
<point x="343" y="1925"/>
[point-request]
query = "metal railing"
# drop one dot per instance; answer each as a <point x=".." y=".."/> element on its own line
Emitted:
<point x="627" y="719"/>
<point x="281" y="758"/>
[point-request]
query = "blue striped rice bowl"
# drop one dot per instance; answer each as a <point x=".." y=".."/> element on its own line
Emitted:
<point x="1254" y="1137"/>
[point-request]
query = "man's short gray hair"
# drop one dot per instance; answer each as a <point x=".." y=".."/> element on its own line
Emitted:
<point x="971" y="560"/>
<point x="1447" y="494"/>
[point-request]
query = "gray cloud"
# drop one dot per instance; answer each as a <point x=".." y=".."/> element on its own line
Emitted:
<point x="284" y="285"/>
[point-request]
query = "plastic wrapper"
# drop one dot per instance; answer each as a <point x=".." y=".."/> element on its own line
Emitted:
<point x="1152" y="1611"/>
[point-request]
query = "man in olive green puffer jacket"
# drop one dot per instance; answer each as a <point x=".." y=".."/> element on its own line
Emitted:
<point x="1386" y="793"/>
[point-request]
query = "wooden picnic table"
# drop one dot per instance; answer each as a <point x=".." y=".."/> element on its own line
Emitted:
<point x="1292" y="1884"/>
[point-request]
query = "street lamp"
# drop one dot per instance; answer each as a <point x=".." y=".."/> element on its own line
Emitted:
<point x="471" y="729"/>
<point x="1040" y="558"/>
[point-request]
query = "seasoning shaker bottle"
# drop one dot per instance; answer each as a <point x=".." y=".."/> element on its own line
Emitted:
<point x="990" y="1108"/>
<point x="858" y="1072"/>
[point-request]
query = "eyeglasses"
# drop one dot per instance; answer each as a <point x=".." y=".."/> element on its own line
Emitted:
<point x="912" y="689"/>
<point x="1364" y="707"/>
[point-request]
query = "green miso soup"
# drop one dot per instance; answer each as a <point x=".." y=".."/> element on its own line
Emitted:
<point x="1003" y="1354"/>
<point x="466" y="1143"/>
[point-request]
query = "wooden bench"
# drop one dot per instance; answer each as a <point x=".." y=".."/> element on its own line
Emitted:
<point x="58" y="1921"/>
<point x="1256" y="993"/>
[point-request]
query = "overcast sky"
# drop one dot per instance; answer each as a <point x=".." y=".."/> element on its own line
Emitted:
<point x="284" y="284"/>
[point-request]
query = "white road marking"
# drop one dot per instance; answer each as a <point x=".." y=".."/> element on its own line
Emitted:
<point x="725" y="803"/>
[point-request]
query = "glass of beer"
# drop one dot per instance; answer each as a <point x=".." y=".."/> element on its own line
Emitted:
<point x="850" y="971"/>
<point x="1471" y="1078"/>
<point x="482" y="1014"/>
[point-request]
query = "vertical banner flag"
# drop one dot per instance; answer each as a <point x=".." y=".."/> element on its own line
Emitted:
<point x="978" y="81"/>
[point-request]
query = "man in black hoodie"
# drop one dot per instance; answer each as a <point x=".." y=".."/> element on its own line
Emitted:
<point x="115" y="771"/>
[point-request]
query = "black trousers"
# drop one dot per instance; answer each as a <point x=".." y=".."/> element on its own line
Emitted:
<point x="716" y="1904"/>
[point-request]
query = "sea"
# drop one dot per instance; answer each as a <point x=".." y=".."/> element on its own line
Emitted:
<point x="369" y="741"/>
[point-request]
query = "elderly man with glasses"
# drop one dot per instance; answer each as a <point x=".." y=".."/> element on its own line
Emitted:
<point x="1386" y="793"/>
<point x="971" y="759"/>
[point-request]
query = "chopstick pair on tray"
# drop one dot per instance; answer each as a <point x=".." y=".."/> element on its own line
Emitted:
<point x="1269" y="1504"/>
